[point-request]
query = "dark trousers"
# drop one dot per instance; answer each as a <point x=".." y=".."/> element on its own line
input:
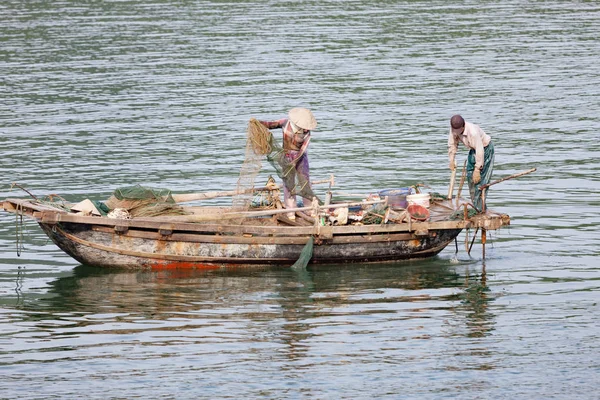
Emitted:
<point x="486" y="174"/>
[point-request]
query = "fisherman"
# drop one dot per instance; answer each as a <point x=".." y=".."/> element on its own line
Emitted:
<point x="296" y="138"/>
<point x="480" y="161"/>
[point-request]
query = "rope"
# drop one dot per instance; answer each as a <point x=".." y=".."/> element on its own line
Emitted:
<point x="19" y="229"/>
<point x="260" y="137"/>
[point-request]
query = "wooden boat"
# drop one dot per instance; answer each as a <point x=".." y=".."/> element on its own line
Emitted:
<point x="191" y="242"/>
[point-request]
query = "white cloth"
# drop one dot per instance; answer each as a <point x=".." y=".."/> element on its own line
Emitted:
<point x="473" y="137"/>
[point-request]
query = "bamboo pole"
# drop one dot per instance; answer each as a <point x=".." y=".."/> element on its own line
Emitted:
<point x="508" y="177"/>
<point x="452" y="179"/>
<point x="263" y="213"/>
<point x="182" y="198"/>
<point x="463" y="176"/>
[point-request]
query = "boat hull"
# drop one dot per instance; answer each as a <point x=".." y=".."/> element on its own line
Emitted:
<point x="104" y="247"/>
<point x="188" y="242"/>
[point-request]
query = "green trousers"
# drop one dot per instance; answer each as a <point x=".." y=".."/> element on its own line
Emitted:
<point x="486" y="174"/>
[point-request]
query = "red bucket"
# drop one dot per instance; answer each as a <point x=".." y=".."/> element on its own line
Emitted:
<point x="418" y="212"/>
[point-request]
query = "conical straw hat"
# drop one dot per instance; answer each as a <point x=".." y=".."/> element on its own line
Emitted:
<point x="303" y="118"/>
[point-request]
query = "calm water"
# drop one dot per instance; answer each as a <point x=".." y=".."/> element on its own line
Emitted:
<point x="108" y="94"/>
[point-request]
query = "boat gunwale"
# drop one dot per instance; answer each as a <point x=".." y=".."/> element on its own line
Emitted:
<point x="50" y="215"/>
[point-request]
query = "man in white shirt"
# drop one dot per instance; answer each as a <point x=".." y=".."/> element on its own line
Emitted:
<point x="480" y="162"/>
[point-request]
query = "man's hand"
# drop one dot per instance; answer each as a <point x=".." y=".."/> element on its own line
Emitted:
<point x="476" y="176"/>
<point x="452" y="165"/>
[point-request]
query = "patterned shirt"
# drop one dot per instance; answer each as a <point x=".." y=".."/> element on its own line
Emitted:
<point x="291" y="141"/>
<point x="474" y="138"/>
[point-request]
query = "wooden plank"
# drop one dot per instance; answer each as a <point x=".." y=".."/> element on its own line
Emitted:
<point x="257" y="240"/>
<point x="27" y="206"/>
<point x="54" y="217"/>
<point x="156" y="222"/>
<point x="261" y="213"/>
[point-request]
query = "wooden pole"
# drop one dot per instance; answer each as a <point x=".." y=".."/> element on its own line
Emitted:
<point x="473" y="241"/>
<point x="483" y="240"/>
<point x="463" y="176"/>
<point x="452" y="179"/>
<point x="331" y="181"/>
<point x="263" y="213"/>
<point x="483" y="199"/>
<point x="507" y="178"/>
<point x="182" y="198"/>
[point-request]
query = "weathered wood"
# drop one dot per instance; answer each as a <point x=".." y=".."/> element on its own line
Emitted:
<point x="53" y="218"/>
<point x="508" y="177"/>
<point x="284" y="219"/>
<point x="160" y="242"/>
<point x="262" y="213"/>
<point x="185" y="197"/>
<point x="155" y="222"/>
<point x="300" y="240"/>
<point x="452" y="179"/>
<point x="463" y="177"/>
<point x="123" y="250"/>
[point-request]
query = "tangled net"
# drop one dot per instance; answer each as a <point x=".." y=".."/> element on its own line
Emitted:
<point x="141" y="201"/>
<point x="260" y="143"/>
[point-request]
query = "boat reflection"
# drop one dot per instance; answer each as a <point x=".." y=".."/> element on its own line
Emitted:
<point x="279" y="299"/>
<point x="135" y="291"/>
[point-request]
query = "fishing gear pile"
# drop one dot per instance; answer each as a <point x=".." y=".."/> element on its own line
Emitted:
<point x="260" y="143"/>
<point x="140" y="201"/>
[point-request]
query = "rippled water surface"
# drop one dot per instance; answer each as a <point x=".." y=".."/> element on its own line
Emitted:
<point x="108" y="94"/>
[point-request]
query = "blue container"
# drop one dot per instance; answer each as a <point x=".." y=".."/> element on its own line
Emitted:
<point x="396" y="197"/>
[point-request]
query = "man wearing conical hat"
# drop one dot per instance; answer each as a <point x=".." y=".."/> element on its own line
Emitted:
<point x="296" y="137"/>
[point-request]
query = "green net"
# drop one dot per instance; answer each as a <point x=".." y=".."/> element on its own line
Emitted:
<point x="460" y="214"/>
<point x="305" y="255"/>
<point x="142" y="201"/>
<point x="139" y="192"/>
<point x="296" y="183"/>
<point x="260" y="143"/>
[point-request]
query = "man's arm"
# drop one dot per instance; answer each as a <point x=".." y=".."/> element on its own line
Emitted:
<point x="477" y="140"/>
<point x="280" y="123"/>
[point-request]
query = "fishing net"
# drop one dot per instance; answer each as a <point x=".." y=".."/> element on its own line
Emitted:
<point x="142" y="201"/>
<point x="305" y="255"/>
<point x="459" y="215"/>
<point x="260" y="143"/>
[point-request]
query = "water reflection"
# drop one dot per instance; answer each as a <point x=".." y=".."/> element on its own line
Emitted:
<point x="295" y="299"/>
<point x="19" y="286"/>
<point x="475" y="299"/>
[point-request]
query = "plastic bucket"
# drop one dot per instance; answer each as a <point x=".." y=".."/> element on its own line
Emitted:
<point x="421" y="199"/>
<point x="418" y="212"/>
<point x="396" y="197"/>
